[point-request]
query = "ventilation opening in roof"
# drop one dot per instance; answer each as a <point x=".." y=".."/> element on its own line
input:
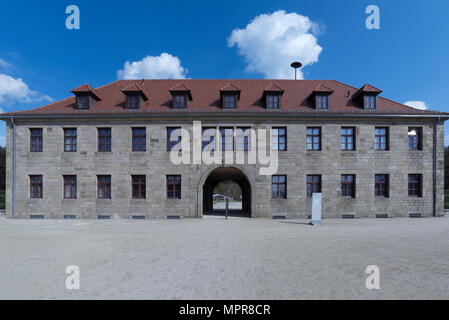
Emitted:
<point x="104" y="217"/>
<point x="69" y="216"/>
<point x="138" y="217"/>
<point x="382" y="215"/>
<point x="173" y="217"/>
<point x="348" y="216"/>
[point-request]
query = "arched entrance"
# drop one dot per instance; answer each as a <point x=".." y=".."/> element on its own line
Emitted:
<point x="221" y="180"/>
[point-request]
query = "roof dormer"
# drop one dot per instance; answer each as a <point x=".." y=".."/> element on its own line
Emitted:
<point x="134" y="96"/>
<point x="181" y="96"/>
<point x="272" y="96"/>
<point x="229" y="95"/>
<point x="367" y="96"/>
<point x="86" y="97"/>
<point x="321" y="96"/>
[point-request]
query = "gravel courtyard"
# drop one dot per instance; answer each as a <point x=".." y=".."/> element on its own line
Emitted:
<point x="214" y="258"/>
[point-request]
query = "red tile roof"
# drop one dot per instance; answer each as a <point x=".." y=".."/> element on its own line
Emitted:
<point x="370" y="88"/>
<point x="322" y="88"/>
<point x="273" y="88"/>
<point x="134" y="87"/>
<point x="206" y="99"/>
<point x="86" y="88"/>
<point x="180" y="87"/>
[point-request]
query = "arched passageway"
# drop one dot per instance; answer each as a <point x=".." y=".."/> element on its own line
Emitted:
<point x="222" y="180"/>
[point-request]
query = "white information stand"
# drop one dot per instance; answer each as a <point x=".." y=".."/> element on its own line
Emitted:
<point x="316" y="208"/>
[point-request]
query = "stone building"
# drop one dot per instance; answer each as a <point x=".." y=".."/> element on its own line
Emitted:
<point x="107" y="152"/>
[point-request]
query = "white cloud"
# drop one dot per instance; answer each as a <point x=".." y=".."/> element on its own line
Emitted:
<point x="164" y="66"/>
<point x="5" y="64"/>
<point x="271" y="42"/>
<point x="421" y="105"/>
<point x="15" y="90"/>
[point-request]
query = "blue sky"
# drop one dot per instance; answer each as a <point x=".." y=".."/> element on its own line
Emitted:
<point x="407" y="58"/>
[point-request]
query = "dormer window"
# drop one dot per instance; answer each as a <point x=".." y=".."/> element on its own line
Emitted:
<point x="86" y="97"/>
<point x="367" y="97"/>
<point x="273" y="101"/>
<point x="370" y="101"/>
<point x="179" y="101"/>
<point x="230" y="96"/>
<point x="322" y="101"/>
<point x="83" y="101"/>
<point x="321" y="96"/>
<point x="272" y="96"/>
<point x="229" y="101"/>
<point x="133" y="100"/>
<point x="134" y="96"/>
<point x="181" y="96"/>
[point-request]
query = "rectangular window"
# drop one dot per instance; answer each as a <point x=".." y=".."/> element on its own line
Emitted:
<point x="179" y="101"/>
<point x="314" y="139"/>
<point x="70" y="140"/>
<point x="313" y="185"/>
<point x="273" y="101"/>
<point x="370" y="101"/>
<point x="69" y="187"/>
<point x="83" y="101"/>
<point x="279" y="139"/>
<point x="322" y="101"/>
<point x="208" y="138"/>
<point x="104" y="187"/>
<point x="36" y="140"/>
<point x="415" y="138"/>
<point x="348" y="185"/>
<point x="243" y="138"/>
<point x="138" y="187"/>
<point x="227" y="139"/>
<point x="381" y="184"/>
<point x="174" y="187"/>
<point x="36" y="186"/>
<point x="104" y="139"/>
<point x="279" y="187"/>
<point x="174" y="138"/>
<point x="347" y="138"/>
<point x="139" y="139"/>
<point x="229" y="101"/>
<point x="414" y="185"/>
<point x="133" y="100"/>
<point x="381" y="138"/>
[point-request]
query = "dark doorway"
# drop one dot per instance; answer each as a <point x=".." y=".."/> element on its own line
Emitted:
<point x="230" y="182"/>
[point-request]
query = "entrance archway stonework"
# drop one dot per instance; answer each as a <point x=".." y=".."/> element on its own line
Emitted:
<point x="243" y="171"/>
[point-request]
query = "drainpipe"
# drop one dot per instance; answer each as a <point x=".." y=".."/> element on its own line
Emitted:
<point x="13" y="166"/>
<point x="434" y="170"/>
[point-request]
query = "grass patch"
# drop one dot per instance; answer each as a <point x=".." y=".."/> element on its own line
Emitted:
<point x="2" y="199"/>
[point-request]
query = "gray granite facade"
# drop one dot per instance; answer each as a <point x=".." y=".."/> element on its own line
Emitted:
<point x="296" y="163"/>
